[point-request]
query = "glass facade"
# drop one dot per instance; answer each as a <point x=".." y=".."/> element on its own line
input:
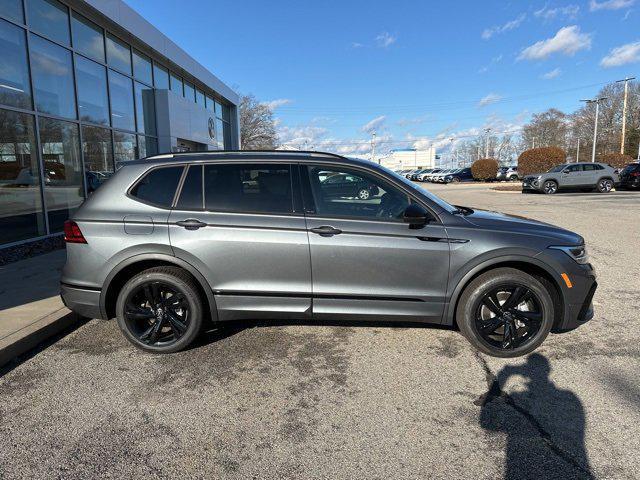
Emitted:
<point x="75" y="102"/>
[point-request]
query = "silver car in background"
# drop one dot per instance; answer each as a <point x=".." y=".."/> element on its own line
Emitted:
<point x="175" y="243"/>
<point x="585" y="176"/>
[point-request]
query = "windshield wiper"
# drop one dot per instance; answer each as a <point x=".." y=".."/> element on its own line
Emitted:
<point x="461" y="210"/>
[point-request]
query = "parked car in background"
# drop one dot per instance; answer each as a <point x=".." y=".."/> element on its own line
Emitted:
<point x="630" y="177"/>
<point x="439" y="177"/>
<point x="508" y="174"/>
<point x="349" y="186"/>
<point x="460" y="175"/>
<point x="174" y="243"/>
<point x="423" y="175"/>
<point x="410" y="173"/>
<point x="414" y="175"/>
<point x="573" y="176"/>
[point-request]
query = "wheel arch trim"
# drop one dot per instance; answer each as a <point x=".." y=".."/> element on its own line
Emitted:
<point x="161" y="257"/>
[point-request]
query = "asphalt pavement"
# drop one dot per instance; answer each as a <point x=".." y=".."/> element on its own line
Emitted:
<point x="348" y="401"/>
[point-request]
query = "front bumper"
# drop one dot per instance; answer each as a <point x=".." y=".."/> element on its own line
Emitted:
<point x="83" y="301"/>
<point x="531" y="184"/>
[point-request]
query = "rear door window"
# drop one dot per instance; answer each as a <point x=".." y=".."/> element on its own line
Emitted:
<point x="248" y="188"/>
<point x="158" y="187"/>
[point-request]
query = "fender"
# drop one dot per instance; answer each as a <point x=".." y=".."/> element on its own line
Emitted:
<point x="165" y="258"/>
<point x="449" y="312"/>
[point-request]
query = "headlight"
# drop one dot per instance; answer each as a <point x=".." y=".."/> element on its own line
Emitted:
<point x="577" y="252"/>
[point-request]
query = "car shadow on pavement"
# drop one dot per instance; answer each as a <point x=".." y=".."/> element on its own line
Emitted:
<point x="543" y="424"/>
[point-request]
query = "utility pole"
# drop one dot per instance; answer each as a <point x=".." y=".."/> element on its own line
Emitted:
<point x="578" y="152"/>
<point x="487" y="130"/>
<point x="595" y="128"/>
<point x="624" y="110"/>
<point x="534" y="142"/>
<point x="373" y="147"/>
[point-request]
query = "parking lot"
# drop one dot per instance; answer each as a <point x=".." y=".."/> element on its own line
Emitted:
<point x="349" y="401"/>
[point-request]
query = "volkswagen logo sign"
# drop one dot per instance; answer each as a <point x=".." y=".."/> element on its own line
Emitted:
<point x="212" y="129"/>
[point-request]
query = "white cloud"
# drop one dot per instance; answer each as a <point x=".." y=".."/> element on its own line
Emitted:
<point x="385" y="39"/>
<point x="279" y="102"/>
<point x="545" y="13"/>
<point x="357" y="45"/>
<point x="567" y="41"/>
<point x="629" y="53"/>
<point x="510" y="25"/>
<point x="594" y="5"/>
<point x="489" y="99"/>
<point x="405" y="122"/>
<point x="555" y="73"/>
<point x="374" y="124"/>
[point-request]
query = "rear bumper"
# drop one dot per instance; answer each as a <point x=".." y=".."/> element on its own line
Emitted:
<point x="81" y="300"/>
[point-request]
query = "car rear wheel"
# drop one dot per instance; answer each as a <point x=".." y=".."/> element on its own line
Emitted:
<point x="605" y="185"/>
<point x="505" y="312"/>
<point x="364" y="194"/>
<point x="455" y="180"/>
<point x="550" y="187"/>
<point x="160" y="310"/>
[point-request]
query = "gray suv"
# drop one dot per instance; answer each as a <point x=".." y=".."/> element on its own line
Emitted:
<point x="175" y="242"/>
<point x="573" y="176"/>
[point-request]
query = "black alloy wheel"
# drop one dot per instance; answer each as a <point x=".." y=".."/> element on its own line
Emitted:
<point x="160" y="309"/>
<point x="156" y="313"/>
<point x="508" y="317"/>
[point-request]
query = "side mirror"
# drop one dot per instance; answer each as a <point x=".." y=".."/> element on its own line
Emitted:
<point x="415" y="216"/>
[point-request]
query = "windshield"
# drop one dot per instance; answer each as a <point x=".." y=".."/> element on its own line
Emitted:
<point x="414" y="186"/>
<point x="557" y="168"/>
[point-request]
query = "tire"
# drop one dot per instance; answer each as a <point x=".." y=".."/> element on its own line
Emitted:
<point x="531" y="320"/>
<point x="550" y="187"/>
<point x="364" y="194"/>
<point x="145" y="300"/>
<point x="605" y="185"/>
<point x="456" y="180"/>
<point x="513" y="178"/>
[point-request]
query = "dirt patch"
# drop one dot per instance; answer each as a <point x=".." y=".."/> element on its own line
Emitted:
<point x="508" y="188"/>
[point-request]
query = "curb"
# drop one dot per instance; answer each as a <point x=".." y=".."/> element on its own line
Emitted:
<point x="32" y="335"/>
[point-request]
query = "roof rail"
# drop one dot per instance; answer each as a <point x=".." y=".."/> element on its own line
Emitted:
<point x="244" y="152"/>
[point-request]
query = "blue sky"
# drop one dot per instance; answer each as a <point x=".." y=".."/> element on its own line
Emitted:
<point x="416" y="72"/>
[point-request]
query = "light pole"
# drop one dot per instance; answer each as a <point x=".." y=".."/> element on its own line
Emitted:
<point x="487" y="130"/>
<point x="624" y="110"/>
<point x="578" y="152"/>
<point x="595" y="128"/>
<point x="373" y="146"/>
<point x="534" y="143"/>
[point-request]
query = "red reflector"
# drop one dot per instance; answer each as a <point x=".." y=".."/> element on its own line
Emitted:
<point x="635" y="174"/>
<point x="72" y="233"/>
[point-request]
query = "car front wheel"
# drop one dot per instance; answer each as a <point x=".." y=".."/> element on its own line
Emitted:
<point x="605" y="185"/>
<point x="550" y="187"/>
<point x="364" y="194"/>
<point x="160" y="310"/>
<point x="506" y="312"/>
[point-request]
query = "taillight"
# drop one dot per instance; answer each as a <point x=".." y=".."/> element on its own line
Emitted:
<point x="72" y="233"/>
<point x="634" y="174"/>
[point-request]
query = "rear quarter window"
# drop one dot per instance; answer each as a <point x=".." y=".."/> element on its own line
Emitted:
<point x="158" y="187"/>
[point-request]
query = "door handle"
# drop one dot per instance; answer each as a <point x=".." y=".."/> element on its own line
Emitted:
<point x="326" y="231"/>
<point x="191" y="224"/>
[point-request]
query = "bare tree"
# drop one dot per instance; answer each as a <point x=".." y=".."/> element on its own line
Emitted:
<point x="257" y="127"/>
<point x="546" y="129"/>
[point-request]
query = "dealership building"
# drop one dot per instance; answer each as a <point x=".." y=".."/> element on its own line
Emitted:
<point x="84" y="87"/>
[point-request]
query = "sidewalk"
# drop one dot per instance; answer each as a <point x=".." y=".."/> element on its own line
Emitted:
<point x="30" y="305"/>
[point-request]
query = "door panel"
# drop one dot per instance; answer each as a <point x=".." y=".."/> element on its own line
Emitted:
<point x="379" y="269"/>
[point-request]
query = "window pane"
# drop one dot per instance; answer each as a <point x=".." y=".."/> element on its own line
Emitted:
<point x="147" y="146"/>
<point x="98" y="156"/>
<point x="142" y="67"/>
<point x="64" y="191"/>
<point x="21" y="214"/>
<point x="93" y="101"/>
<point x="124" y="147"/>
<point x="191" y="195"/>
<point x="160" y="77"/>
<point x="226" y="113"/>
<point x="118" y="54"/>
<point x="87" y="37"/>
<point x="12" y="9"/>
<point x="158" y="186"/>
<point x="220" y="134"/>
<point x="248" y="188"/>
<point x="176" y="85"/>
<point x="189" y="92"/>
<point x="200" y="97"/>
<point x="227" y="136"/>
<point x="121" y="89"/>
<point x="14" y="70"/>
<point x="50" y="18"/>
<point x="145" y="109"/>
<point x="218" y="109"/>
<point x="210" y="103"/>
<point x="52" y="78"/>
<point x="350" y="193"/>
